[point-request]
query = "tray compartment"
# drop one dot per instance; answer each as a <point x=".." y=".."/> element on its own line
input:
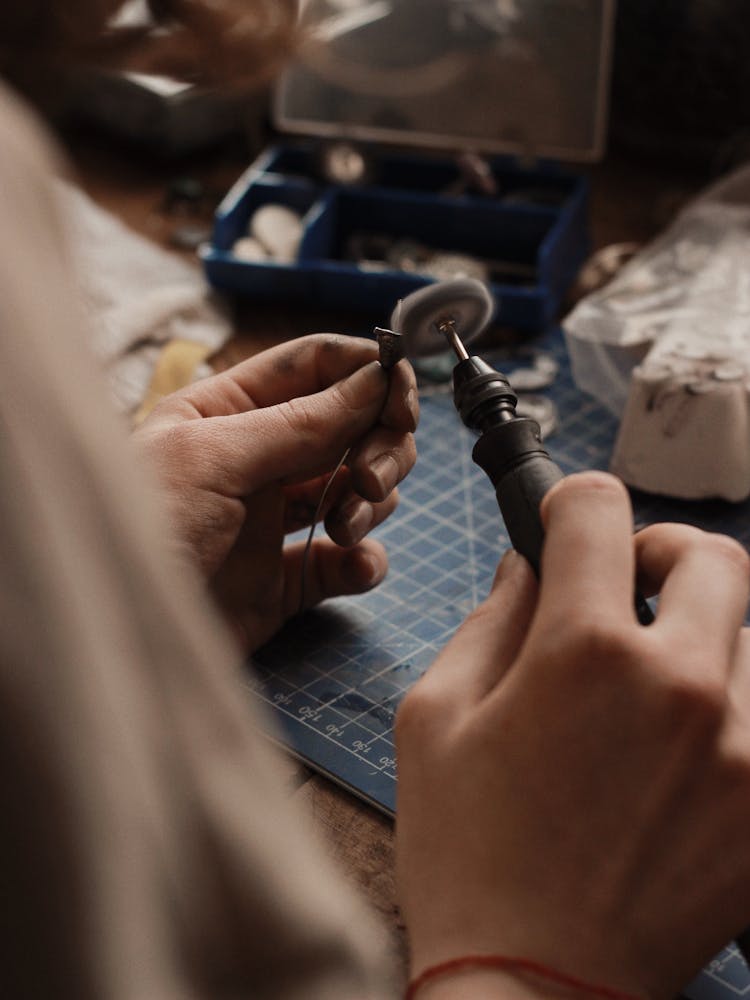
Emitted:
<point x="263" y="279"/>
<point x="489" y="231"/>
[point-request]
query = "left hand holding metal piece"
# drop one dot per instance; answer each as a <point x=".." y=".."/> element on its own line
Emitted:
<point x="244" y="456"/>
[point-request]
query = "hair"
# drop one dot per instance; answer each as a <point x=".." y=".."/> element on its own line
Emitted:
<point x="218" y="42"/>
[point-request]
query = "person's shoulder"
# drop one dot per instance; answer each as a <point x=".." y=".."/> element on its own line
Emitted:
<point x="25" y="142"/>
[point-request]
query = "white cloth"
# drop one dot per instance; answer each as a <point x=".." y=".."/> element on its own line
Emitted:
<point x="138" y="297"/>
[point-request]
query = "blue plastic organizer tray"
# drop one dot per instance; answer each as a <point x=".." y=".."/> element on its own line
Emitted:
<point x="538" y="220"/>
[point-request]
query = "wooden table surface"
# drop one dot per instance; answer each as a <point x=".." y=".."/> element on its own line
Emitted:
<point x="631" y="201"/>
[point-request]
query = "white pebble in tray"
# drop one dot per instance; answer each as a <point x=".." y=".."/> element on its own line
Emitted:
<point x="278" y="229"/>
<point x="248" y="249"/>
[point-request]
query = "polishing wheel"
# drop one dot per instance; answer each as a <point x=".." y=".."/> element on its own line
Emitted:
<point x="466" y="303"/>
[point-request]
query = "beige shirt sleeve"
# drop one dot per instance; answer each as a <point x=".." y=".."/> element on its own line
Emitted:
<point x="147" y="850"/>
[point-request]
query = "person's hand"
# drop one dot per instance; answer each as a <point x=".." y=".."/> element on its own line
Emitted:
<point x="243" y="458"/>
<point x="574" y="788"/>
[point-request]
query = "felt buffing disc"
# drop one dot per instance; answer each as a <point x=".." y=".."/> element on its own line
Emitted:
<point x="466" y="301"/>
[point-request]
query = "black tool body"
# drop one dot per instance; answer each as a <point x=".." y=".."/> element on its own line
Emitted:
<point x="522" y="472"/>
<point x="510" y="451"/>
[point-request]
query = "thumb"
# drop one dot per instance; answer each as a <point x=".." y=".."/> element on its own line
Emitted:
<point x="329" y="571"/>
<point x="299" y="437"/>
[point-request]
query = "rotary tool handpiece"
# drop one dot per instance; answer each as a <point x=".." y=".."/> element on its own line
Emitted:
<point x="522" y="472"/>
<point x="509" y="448"/>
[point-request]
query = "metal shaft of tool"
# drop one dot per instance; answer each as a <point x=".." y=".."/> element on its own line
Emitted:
<point x="447" y="327"/>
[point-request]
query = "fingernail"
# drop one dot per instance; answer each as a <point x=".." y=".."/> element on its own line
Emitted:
<point x="385" y="470"/>
<point x="412" y="404"/>
<point x="509" y="564"/>
<point x="358" y="517"/>
<point x="373" y="571"/>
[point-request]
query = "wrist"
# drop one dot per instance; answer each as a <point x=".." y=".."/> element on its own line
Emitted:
<point x="510" y="977"/>
<point x="488" y="984"/>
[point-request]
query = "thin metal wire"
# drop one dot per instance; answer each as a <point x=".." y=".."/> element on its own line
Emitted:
<point x="308" y="544"/>
<point x="384" y="345"/>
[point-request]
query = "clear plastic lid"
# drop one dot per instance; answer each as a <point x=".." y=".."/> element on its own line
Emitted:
<point x="523" y="77"/>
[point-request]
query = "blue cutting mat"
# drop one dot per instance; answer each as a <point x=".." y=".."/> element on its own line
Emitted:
<point x="334" y="677"/>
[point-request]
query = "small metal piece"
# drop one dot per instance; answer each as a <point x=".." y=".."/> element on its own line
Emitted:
<point x="344" y="163"/>
<point x="444" y="266"/>
<point x="391" y="347"/>
<point x="603" y="265"/>
<point x="477" y="174"/>
<point x="407" y="255"/>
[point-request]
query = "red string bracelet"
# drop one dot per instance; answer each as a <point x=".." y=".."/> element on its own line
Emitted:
<point x="523" y="965"/>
